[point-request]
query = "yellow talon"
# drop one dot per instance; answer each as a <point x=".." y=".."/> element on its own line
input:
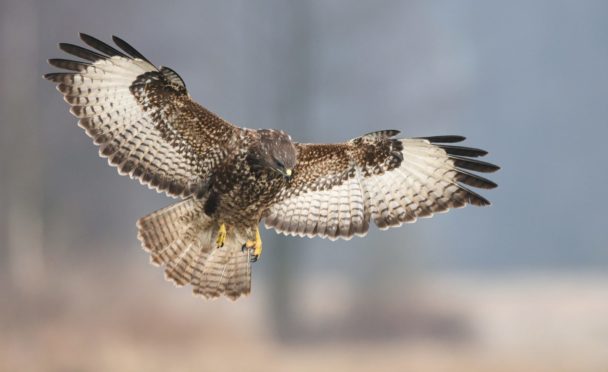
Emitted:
<point x="256" y="245"/>
<point x="221" y="236"/>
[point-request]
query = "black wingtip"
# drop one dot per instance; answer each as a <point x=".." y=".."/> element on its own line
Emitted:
<point x="444" y="139"/>
<point x="476" y="199"/>
<point x="81" y="52"/>
<point x="99" y="45"/>
<point x="473" y="164"/>
<point x="67" y="64"/>
<point x="127" y="48"/>
<point x="56" y="77"/>
<point x="463" y="151"/>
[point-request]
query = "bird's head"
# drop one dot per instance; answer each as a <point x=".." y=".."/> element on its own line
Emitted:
<point x="277" y="152"/>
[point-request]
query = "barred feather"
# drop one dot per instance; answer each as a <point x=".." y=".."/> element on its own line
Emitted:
<point x="338" y="190"/>
<point x="182" y="239"/>
<point x="133" y="111"/>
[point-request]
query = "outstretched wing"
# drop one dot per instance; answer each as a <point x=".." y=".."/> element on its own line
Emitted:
<point x="142" y="117"/>
<point x="338" y="188"/>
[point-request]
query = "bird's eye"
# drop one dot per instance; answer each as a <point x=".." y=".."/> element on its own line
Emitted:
<point x="279" y="163"/>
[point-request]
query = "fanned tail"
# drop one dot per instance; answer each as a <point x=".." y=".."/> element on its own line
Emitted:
<point x="182" y="238"/>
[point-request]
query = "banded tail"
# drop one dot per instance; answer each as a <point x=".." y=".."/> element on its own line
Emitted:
<point x="182" y="238"/>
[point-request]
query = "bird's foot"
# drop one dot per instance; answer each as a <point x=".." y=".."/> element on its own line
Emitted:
<point x="221" y="236"/>
<point x="255" y="245"/>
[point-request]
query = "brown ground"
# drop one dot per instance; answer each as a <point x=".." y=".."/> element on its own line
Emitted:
<point x="516" y="323"/>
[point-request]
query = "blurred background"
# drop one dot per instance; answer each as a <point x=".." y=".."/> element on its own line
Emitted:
<point x="521" y="285"/>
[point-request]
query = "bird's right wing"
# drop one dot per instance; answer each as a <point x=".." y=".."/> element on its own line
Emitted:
<point x="142" y="117"/>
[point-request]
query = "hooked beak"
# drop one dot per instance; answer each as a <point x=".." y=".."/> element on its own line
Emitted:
<point x="286" y="173"/>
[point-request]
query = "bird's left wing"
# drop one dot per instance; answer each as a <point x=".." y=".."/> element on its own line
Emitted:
<point x="337" y="189"/>
<point x="142" y="117"/>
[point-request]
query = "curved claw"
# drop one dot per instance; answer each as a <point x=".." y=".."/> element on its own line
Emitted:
<point x="256" y="245"/>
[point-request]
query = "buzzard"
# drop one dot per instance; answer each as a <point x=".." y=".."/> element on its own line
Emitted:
<point x="229" y="179"/>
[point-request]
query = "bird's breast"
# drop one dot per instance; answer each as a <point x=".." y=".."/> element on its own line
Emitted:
<point x="244" y="193"/>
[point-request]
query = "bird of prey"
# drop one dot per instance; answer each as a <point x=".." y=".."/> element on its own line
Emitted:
<point x="229" y="179"/>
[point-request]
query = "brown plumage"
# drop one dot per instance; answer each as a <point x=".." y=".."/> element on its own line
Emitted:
<point x="231" y="178"/>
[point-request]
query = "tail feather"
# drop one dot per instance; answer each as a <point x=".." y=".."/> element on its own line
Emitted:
<point x="225" y="271"/>
<point x="182" y="237"/>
